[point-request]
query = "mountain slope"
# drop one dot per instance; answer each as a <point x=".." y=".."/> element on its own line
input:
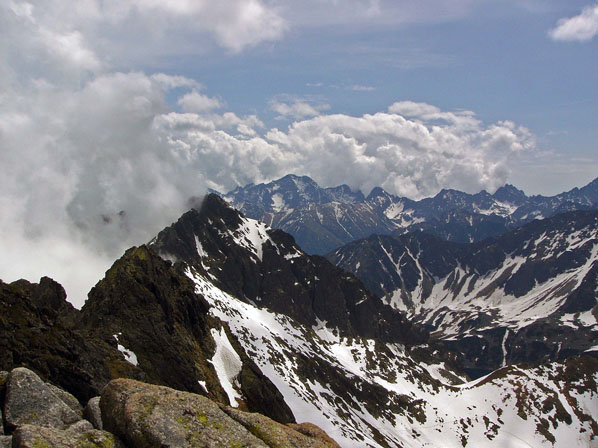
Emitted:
<point x="248" y="319"/>
<point x="363" y="390"/>
<point x="323" y="219"/>
<point x="526" y="296"/>
<point x="264" y="266"/>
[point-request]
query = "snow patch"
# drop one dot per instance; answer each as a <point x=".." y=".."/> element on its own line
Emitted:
<point x="129" y="355"/>
<point x="227" y="364"/>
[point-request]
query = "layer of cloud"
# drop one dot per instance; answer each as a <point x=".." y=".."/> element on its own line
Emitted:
<point x="92" y="170"/>
<point x="94" y="160"/>
<point x="297" y="108"/>
<point x="582" y="28"/>
<point x="197" y="102"/>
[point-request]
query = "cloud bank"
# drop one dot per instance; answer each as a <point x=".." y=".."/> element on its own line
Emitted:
<point x="94" y="160"/>
<point x="582" y="28"/>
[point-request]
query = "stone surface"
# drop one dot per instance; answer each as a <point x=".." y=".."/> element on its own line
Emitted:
<point x="311" y="430"/>
<point x="275" y="435"/>
<point x="153" y="416"/>
<point x="30" y="401"/>
<point x="29" y="436"/>
<point x="145" y="415"/>
<point x="3" y="380"/>
<point x="93" y="413"/>
<point x="80" y="426"/>
<point x="67" y="399"/>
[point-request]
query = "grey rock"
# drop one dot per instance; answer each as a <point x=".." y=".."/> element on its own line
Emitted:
<point x="3" y="379"/>
<point x="80" y="426"/>
<point x="5" y="442"/>
<point x="277" y="435"/>
<point x="29" y="436"/>
<point x="145" y="415"/>
<point x="93" y="413"/>
<point x="148" y="415"/>
<point x="30" y="401"/>
<point x="67" y="399"/>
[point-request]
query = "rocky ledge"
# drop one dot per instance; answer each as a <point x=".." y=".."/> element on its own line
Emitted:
<point x="129" y="413"/>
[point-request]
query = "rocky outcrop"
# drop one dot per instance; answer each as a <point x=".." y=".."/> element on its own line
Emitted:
<point x="142" y="416"/>
<point x="29" y="436"/>
<point x="40" y="414"/>
<point x="39" y="331"/>
<point x="150" y="307"/>
<point x="93" y="413"/>
<point x="145" y="415"/>
<point x="31" y="401"/>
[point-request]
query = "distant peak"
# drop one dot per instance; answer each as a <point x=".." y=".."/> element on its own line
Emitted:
<point x="376" y="191"/>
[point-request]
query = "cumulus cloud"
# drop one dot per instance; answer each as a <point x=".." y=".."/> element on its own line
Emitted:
<point x="93" y="160"/>
<point x="409" y="157"/>
<point x="89" y="171"/>
<point x="582" y="28"/>
<point x="197" y="102"/>
<point x="297" y="108"/>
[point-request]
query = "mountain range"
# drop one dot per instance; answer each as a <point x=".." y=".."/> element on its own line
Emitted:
<point x="528" y="295"/>
<point x="323" y="219"/>
<point x="224" y="306"/>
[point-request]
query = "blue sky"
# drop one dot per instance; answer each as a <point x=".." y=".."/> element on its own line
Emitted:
<point x="138" y="105"/>
<point x="497" y="61"/>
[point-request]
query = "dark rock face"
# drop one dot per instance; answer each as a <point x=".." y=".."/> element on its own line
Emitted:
<point x="144" y="307"/>
<point x="266" y="267"/>
<point x="39" y="331"/>
<point x="323" y="219"/>
<point x="467" y="294"/>
<point x="152" y="309"/>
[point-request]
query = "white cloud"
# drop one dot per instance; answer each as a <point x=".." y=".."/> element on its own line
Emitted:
<point x="297" y="108"/>
<point x="360" y="88"/>
<point x="197" y="102"/>
<point x="582" y="27"/>
<point x="408" y="157"/>
<point x="93" y="160"/>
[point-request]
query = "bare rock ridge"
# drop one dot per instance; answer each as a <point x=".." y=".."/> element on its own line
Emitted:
<point x="44" y="336"/>
<point x="150" y="309"/>
<point x="136" y="415"/>
<point x="260" y="265"/>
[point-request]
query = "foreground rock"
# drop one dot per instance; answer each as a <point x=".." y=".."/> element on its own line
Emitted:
<point x="29" y="436"/>
<point x="31" y="401"/>
<point x="92" y="412"/>
<point x="145" y="415"/>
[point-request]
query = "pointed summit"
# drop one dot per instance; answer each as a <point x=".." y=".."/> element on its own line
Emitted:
<point x="508" y="193"/>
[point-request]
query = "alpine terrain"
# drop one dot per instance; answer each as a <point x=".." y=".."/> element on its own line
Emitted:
<point x="526" y="296"/>
<point x="227" y="308"/>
